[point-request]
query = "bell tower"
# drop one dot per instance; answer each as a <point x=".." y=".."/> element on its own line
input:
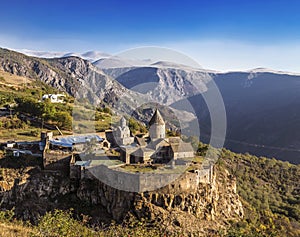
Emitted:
<point x="157" y="125"/>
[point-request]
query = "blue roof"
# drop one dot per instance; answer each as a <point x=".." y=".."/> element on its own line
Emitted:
<point x="83" y="163"/>
<point x="69" y="141"/>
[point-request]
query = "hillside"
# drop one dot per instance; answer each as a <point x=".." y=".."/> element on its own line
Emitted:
<point x="268" y="190"/>
<point x="77" y="77"/>
<point x="261" y="106"/>
<point x="162" y="84"/>
<point x="262" y="114"/>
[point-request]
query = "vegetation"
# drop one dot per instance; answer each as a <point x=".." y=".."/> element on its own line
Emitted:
<point x="62" y="223"/>
<point x="270" y="193"/>
<point x="25" y="111"/>
<point x="268" y="188"/>
<point x="136" y="127"/>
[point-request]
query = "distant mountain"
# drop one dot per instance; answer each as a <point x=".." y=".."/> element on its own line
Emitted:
<point x="76" y="76"/>
<point x="163" y="84"/>
<point x="120" y="62"/>
<point x="79" y="78"/>
<point x="41" y="54"/>
<point x="262" y="113"/>
<point x="262" y="106"/>
<point x="94" y="55"/>
<point x="166" y="64"/>
<point x="112" y="62"/>
<point x="90" y="55"/>
<point x="268" y="70"/>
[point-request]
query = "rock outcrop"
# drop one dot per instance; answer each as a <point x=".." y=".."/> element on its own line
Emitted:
<point x="74" y="75"/>
<point x="183" y="204"/>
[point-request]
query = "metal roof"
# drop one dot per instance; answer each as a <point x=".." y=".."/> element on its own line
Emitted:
<point x="83" y="163"/>
<point x="69" y="141"/>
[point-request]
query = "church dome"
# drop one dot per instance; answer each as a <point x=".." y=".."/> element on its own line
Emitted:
<point x="157" y="118"/>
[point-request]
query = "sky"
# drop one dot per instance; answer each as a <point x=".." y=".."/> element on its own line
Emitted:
<point x="220" y="35"/>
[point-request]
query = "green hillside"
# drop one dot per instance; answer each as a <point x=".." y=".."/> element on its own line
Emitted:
<point x="269" y="190"/>
<point x="25" y="115"/>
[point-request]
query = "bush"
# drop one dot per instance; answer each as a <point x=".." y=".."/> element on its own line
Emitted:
<point x="7" y="215"/>
<point x="135" y="126"/>
<point x="60" y="223"/>
<point x="64" y="120"/>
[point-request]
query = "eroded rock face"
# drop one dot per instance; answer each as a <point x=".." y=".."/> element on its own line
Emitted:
<point x="74" y="75"/>
<point x="209" y="201"/>
<point x="202" y="206"/>
<point x="215" y="201"/>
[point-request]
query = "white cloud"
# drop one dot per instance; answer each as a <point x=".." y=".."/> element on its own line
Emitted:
<point x="222" y="55"/>
<point x="226" y="55"/>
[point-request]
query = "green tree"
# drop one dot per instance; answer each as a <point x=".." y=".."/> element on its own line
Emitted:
<point x="64" y="120"/>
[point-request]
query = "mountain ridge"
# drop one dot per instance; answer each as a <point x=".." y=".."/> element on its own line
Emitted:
<point x="261" y="107"/>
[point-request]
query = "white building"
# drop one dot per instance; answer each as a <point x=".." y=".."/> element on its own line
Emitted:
<point x="54" y="98"/>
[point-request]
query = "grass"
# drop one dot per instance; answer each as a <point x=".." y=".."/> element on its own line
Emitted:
<point x="19" y="134"/>
<point x="107" y="162"/>
<point x="13" y="80"/>
<point x="197" y="159"/>
<point x="88" y="120"/>
<point x="15" y="230"/>
<point x="154" y="169"/>
<point x="139" y="168"/>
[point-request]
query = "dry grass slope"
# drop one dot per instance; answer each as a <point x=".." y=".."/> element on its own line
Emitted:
<point x="13" y="80"/>
<point x="15" y="230"/>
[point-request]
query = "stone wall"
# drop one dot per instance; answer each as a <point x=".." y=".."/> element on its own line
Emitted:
<point x="191" y="198"/>
<point x="188" y="193"/>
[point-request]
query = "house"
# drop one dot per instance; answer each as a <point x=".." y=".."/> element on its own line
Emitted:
<point x="59" y="151"/>
<point x="54" y="98"/>
<point x="157" y="148"/>
<point x="79" y="142"/>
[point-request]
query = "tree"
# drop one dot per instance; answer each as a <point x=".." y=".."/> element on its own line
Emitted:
<point x="64" y="120"/>
<point x="47" y="110"/>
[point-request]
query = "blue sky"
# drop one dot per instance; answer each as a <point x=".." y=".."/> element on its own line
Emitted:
<point x="222" y="35"/>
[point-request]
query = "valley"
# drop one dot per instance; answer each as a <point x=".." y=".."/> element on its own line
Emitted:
<point x="246" y="194"/>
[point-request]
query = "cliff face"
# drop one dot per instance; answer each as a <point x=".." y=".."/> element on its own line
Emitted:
<point x="181" y="205"/>
<point x="73" y="75"/>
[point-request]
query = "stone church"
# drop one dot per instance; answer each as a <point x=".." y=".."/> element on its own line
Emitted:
<point x="156" y="148"/>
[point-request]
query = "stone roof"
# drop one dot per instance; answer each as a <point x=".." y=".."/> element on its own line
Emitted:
<point x="156" y="143"/>
<point x="141" y="151"/>
<point x="141" y="141"/>
<point x="157" y="118"/>
<point x="182" y="147"/>
<point x="174" y="140"/>
<point x="123" y="122"/>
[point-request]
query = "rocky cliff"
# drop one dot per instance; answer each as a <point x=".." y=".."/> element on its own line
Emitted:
<point x="162" y="84"/>
<point x="74" y="75"/>
<point x="181" y="205"/>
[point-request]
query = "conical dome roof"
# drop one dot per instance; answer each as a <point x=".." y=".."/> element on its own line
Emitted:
<point x="123" y="122"/>
<point x="157" y="118"/>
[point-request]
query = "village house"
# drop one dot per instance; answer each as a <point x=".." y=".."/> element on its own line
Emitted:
<point x="54" y="98"/>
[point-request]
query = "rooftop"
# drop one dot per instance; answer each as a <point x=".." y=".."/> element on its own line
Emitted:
<point x="69" y="141"/>
<point x="157" y="118"/>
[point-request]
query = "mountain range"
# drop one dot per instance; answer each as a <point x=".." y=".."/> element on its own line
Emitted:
<point x="262" y="105"/>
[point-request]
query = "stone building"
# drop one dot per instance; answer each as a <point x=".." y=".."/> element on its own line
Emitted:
<point x="122" y="134"/>
<point x="157" y="125"/>
<point x="155" y="149"/>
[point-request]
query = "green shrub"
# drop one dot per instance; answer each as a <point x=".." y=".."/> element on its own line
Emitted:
<point x="7" y="215"/>
<point x="60" y="223"/>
